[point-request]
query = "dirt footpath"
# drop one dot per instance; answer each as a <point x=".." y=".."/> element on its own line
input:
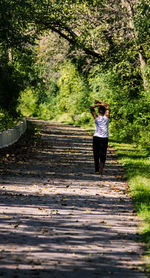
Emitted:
<point x="59" y="219"/>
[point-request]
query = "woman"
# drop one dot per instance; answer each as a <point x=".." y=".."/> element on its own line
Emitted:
<point x="100" y="136"/>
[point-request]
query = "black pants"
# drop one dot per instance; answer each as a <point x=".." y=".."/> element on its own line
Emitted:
<point x="99" y="150"/>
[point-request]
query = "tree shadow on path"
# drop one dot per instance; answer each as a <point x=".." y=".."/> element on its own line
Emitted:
<point x="58" y="219"/>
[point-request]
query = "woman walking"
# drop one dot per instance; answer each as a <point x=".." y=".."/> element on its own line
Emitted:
<point x="100" y="136"/>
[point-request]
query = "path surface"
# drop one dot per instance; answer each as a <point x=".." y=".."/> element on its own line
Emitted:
<point x="59" y="219"/>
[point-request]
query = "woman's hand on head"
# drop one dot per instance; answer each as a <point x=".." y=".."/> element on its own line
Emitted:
<point x="96" y="101"/>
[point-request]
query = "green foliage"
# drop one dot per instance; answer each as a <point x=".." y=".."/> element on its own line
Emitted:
<point x="100" y="58"/>
<point x="129" y="107"/>
<point x="83" y="119"/>
<point x="47" y="102"/>
<point x="6" y="120"/>
<point x="136" y="165"/>
<point x="17" y="72"/>
<point x="73" y="95"/>
<point x="142" y="21"/>
<point x="86" y="50"/>
<point x="28" y="102"/>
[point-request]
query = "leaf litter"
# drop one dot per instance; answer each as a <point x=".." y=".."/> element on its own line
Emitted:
<point x="38" y="194"/>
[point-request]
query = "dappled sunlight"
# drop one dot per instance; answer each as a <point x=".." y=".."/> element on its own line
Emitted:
<point x="58" y="218"/>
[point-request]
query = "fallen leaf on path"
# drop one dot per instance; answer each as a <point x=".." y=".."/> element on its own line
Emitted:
<point x="88" y="211"/>
<point x="73" y="255"/>
<point x="53" y="211"/>
<point x="101" y="221"/>
<point x="6" y="216"/>
<point x="44" y="230"/>
<point x="44" y="210"/>
<point x="56" y="263"/>
<point x="118" y="177"/>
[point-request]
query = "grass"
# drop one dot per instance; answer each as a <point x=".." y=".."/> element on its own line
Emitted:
<point x="136" y="163"/>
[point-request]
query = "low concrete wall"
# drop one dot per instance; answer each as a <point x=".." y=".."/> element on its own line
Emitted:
<point x="10" y="136"/>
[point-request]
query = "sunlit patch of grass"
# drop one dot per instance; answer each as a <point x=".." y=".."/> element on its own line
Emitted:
<point x="136" y="163"/>
<point x="64" y="118"/>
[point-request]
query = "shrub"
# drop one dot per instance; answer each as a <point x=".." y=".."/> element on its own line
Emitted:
<point x="27" y="102"/>
<point x="6" y="120"/>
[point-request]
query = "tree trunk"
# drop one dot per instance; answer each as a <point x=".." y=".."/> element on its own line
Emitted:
<point x="127" y="5"/>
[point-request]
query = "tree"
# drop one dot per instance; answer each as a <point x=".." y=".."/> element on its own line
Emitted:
<point x="99" y="28"/>
<point x="112" y="34"/>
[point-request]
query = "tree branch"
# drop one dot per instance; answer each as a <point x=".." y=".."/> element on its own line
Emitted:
<point x="73" y="39"/>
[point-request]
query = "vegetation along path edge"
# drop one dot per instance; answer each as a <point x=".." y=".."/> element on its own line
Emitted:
<point x="59" y="219"/>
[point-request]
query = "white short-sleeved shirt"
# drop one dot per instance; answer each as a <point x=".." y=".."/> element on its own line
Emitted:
<point x="101" y="126"/>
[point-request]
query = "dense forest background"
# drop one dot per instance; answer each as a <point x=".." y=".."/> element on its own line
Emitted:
<point x="56" y="57"/>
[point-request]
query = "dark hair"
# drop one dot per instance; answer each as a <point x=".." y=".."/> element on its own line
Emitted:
<point x="102" y="108"/>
